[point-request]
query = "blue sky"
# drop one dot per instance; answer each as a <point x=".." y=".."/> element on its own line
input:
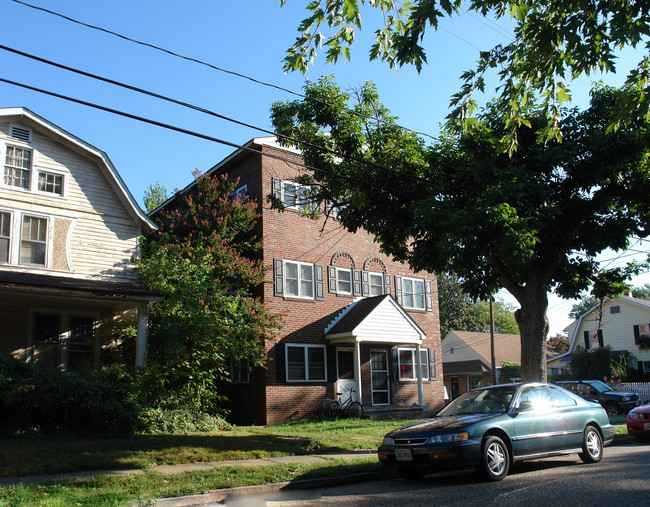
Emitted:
<point x="247" y="36"/>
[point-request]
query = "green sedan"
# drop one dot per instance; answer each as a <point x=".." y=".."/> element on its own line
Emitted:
<point x="491" y="427"/>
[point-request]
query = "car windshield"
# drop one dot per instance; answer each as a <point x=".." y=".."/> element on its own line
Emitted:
<point x="485" y="401"/>
<point x="599" y="386"/>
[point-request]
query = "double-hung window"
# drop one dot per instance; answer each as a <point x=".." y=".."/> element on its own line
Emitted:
<point x="33" y="241"/>
<point x="376" y="283"/>
<point x="407" y="363"/>
<point x="18" y="167"/>
<point x="413" y="293"/>
<point x="298" y="279"/>
<point x="5" y="236"/>
<point x="642" y="335"/>
<point x="305" y="363"/>
<point x="341" y="280"/>
<point x="293" y="195"/>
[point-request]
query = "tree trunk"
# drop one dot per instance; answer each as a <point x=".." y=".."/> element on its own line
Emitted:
<point x="533" y="328"/>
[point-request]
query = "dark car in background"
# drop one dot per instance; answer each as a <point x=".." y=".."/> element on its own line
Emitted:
<point x="638" y="423"/>
<point x="615" y="402"/>
<point x="491" y="427"/>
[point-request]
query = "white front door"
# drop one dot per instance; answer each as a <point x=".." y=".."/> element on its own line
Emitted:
<point x="345" y="383"/>
<point x="379" y="384"/>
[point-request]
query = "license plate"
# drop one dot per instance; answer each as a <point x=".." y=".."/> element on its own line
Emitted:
<point x="646" y="426"/>
<point x="403" y="455"/>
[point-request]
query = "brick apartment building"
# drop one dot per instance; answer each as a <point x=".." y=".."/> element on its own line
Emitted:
<point x="353" y="320"/>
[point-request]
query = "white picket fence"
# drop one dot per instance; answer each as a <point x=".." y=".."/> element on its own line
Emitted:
<point x="640" y="388"/>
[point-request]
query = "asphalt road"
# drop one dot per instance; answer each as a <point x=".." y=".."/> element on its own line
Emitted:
<point x="622" y="478"/>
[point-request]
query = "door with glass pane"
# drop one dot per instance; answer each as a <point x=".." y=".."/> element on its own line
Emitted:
<point x="345" y="383"/>
<point x="379" y="377"/>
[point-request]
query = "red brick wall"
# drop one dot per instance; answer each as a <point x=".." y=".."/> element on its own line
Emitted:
<point x="291" y="236"/>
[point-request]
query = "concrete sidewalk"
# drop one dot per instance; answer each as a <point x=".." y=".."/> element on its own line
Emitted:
<point x="193" y="467"/>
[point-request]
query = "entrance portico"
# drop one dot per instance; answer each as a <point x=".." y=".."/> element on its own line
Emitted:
<point x="377" y="321"/>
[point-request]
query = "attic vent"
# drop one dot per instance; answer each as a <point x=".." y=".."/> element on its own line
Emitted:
<point x="615" y="309"/>
<point x="20" y="133"/>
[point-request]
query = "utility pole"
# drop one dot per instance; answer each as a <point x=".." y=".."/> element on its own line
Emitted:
<point x="492" y="347"/>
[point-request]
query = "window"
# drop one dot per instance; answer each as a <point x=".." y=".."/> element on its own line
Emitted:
<point x="561" y="399"/>
<point x="614" y="309"/>
<point x="340" y="280"/>
<point x="645" y="366"/>
<point x="81" y="342"/>
<point x="305" y="363"/>
<point x="297" y="279"/>
<point x="376" y="283"/>
<point x="593" y="339"/>
<point x="239" y="371"/>
<point x="50" y="183"/>
<point x="63" y="339"/>
<point x="293" y="195"/>
<point x="240" y="192"/>
<point x="642" y="335"/>
<point x="413" y="293"/>
<point x="18" y="167"/>
<point x="474" y="381"/>
<point x="5" y="235"/>
<point x="33" y="241"/>
<point x="408" y="363"/>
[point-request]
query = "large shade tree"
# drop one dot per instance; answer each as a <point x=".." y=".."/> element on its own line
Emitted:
<point x="553" y="43"/>
<point x="528" y="222"/>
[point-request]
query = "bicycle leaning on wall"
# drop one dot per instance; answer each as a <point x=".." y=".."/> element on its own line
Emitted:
<point x="348" y="408"/>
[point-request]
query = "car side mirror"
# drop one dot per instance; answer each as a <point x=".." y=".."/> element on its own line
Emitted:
<point x="525" y="405"/>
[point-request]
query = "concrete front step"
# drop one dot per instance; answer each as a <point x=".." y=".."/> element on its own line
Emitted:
<point x="395" y="412"/>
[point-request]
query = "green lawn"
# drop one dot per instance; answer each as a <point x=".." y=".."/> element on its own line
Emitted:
<point x="65" y="453"/>
<point x="61" y="453"/>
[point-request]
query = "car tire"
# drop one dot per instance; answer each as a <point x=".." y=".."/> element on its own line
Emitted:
<point x="592" y="445"/>
<point x="612" y="409"/>
<point x="412" y="474"/>
<point x="642" y="439"/>
<point x="495" y="459"/>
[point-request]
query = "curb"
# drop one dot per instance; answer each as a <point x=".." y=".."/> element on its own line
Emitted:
<point x="221" y="495"/>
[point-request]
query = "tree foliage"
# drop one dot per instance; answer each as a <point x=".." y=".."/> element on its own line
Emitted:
<point x="458" y="312"/>
<point x="553" y="43"/>
<point x="527" y="222"/>
<point x="201" y="261"/>
<point x="154" y="196"/>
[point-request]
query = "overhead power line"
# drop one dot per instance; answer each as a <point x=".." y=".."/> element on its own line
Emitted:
<point x="199" y="135"/>
<point x="214" y="67"/>
<point x="208" y="112"/>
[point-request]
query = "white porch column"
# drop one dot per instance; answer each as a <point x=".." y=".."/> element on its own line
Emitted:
<point x="419" y="370"/>
<point x="141" y="340"/>
<point x="357" y="370"/>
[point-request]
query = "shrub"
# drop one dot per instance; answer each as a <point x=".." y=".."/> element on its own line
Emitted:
<point x="98" y="402"/>
<point x="179" y="420"/>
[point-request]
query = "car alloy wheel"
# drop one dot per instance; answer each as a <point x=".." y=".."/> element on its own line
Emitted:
<point x="592" y="446"/>
<point x="495" y="460"/>
<point x="612" y="409"/>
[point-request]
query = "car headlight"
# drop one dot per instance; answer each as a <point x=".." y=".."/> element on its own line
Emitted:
<point x="448" y="437"/>
<point x="388" y="441"/>
<point x="634" y="415"/>
<point x="626" y="398"/>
